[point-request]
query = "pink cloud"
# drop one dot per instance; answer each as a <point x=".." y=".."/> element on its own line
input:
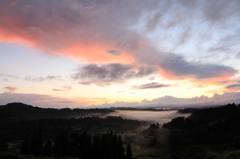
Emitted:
<point x="90" y="32"/>
<point x="11" y="89"/>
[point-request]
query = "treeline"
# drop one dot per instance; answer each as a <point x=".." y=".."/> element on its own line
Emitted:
<point x="16" y="130"/>
<point x="75" y="144"/>
<point x="210" y="129"/>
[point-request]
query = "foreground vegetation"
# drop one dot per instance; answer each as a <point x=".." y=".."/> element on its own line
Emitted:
<point x="209" y="133"/>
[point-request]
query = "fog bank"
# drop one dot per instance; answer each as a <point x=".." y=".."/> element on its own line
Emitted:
<point x="151" y="116"/>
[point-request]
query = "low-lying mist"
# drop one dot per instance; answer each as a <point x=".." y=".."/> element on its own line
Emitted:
<point x="152" y="116"/>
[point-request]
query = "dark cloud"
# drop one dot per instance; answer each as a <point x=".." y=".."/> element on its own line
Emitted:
<point x="65" y="88"/>
<point x="114" y="52"/>
<point x="176" y="66"/>
<point x="93" y="73"/>
<point x="153" y="85"/>
<point x="11" y="89"/>
<point x="233" y="86"/>
<point x="223" y="82"/>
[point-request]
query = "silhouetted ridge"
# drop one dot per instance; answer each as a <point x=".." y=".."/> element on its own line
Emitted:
<point x="19" y="111"/>
<point x="205" y="130"/>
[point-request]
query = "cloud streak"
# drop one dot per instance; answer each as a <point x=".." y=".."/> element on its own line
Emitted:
<point x="233" y="86"/>
<point x="11" y="89"/>
<point x="65" y="88"/>
<point x="153" y="85"/>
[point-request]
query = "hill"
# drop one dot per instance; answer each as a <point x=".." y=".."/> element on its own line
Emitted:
<point x="205" y="133"/>
<point x="19" y="111"/>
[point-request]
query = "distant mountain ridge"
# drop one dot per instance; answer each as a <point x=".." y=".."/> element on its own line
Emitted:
<point x="21" y="111"/>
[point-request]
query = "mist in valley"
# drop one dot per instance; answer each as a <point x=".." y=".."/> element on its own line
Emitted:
<point x="160" y="117"/>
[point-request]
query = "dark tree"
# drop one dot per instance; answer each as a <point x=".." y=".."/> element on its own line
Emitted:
<point x="3" y="145"/>
<point x="25" y="146"/>
<point x="129" y="151"/>
<point x="47" y="148"/>
<point x="36" y="142"/>
<point x="120" y="148"/>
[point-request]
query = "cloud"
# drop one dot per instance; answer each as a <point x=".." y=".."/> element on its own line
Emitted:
<point x="152" y="85"/>
<point x="65" y="88"/>
<point x="64" y="101"/>
<point x="84" y="30"/>
<point x="11" y="89"/>
<point x="175" y="66"/>
<point x="233" y="86"/>
<point x="227" y="42"/>
<point x="170" y="101"/>
<point x="114" y="52"/>
<point x="8" y="76"/>
<point x="42" y="79"/>
<point x="34" y="79"/>
<point x="125" y="92"/>
<point x="115" y="72"/>
<point x="238" y="55"/>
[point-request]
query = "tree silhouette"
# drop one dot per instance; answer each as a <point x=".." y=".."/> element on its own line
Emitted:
<point x="47" y="148"/>
<point x="36" y="142"/>
<point x="25" y="146"/>
<point x="129" y="151"/>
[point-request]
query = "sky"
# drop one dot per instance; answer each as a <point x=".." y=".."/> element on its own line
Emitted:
<point x="104" y="53"/>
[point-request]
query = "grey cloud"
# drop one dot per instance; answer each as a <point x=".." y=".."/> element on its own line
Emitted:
<point x="34" y="79"/>
<point x="221" y="11"/>
<point x="53" y="77"/>
<point x="64" y="102"/>
<point x="79" y="21"/>
<point x="227" y="42"/>
<point x="234" y="86"/>
<point x="238" y="55"/>
<point x="42" y="79"/>
<point x="154" y="20"/>
<point x="153" y="85"/>
<point x="171" y="101"/>
<point x="114" y="52"/>
<point x="179" y="67"/>
<point x="93" y="73"/>
<point x="223" y="82"/>
<point x="65" y="88"/>
<point x="8" y="76"/>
